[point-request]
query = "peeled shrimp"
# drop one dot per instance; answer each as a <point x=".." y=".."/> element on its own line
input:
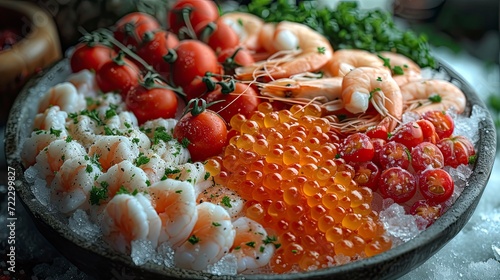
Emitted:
<point x="430" y="95"/>
<point x="247" y="26"/>
<point x="411" y="70"/>
<point x="85" y="83"/>
<point x="38" y="141"/>
<point x="249" y="246"/>
<point x="344" y="61"/>
<point x="295" y="49"/>
<point x="127" y="218"/>
<point x="123" y="175"/>
<point x="84" y="129"/>
<point x="111" y="149"/>
<point x="195" y="174"/>
<point x="71" y="186"/>
<point x="154" y="167"/>
<point x="325" y="91"/>
<point x="223" y="196"/>
<point x="365" y="85"/>
<point x="175" y="203"/>
<point x="65" y="96"/>
<point x="50" y="159"/>
<point x="212" y="237"/>
<point x="53" y="118"/>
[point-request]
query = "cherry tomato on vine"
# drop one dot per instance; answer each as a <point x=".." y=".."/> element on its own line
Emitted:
<point x="198" y="87"/>
<point x="443" y="122"/>
<point x="367" y="174"/>
<point x="130" y="29"/>
<point x="118" y="75"/>
<point x="436" y="185"/>
<point x="203" y="131"/>
<point x="192" y="58"/>
<point x="397" y="183"/>
<point x="151" y="100"/>
<point x="90" y="56"/>
<point x="189" y="14"/>
<point x="394" y="154"/>
<point x="426" y="155"/>
<point x="357" y="147"/>
<point x="456" y="150"/>
<point x="243" y="100"/>
<point x="219" y="36"/>
<point x="430" y="212"/>
<point x="154" y="46"/>
<point x="409" y="134"/>
<point x="233" y="58"/>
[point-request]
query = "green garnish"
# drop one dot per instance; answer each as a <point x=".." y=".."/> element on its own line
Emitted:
<point x="141" y="159"/>
<point x="348" y="27"/>
<point x="193" y="239"/>
<point x="226" y="201"/>
<point x="215" y="224"/>
<point x="250" y="244"/>
<point x="435" y="98"/>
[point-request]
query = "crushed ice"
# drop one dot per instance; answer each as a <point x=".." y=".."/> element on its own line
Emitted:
<point x="398" y="224"/>
<point x="80" y="223"/>
<point x="227" y="265"/>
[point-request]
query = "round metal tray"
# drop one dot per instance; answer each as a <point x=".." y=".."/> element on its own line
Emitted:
<point x="96" y="259"/>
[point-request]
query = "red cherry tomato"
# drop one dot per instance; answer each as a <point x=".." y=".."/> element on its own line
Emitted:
<point x="90" y="56"/>
<point x="118" y="75"/>
<point x="436" y="185"/>
<point x="357" y="147"/>
<point x="219" y="36"/>
<point x="443" y="123"/>
<point x="378" y="131"/>
<point x="428" y="211"/>
<point x="397" y="183"/>
<point x="154" y="46"/>
<point x="426" y="155"/>
<point x="130" y="29"/>
<point x="243" y="100"/>
<point x="456" y="150"/>
<point x="394" y="154"/>
<point x="192" y="13"/>
<point x="409" y="134"/>
<point x="205" y="134"/>
<point x="234" y="58"/>
<point x="152" y="101"/>
<point x="377" y="143"/>
<point x="194" y="58"/>
<point x="198" y="87"/>
<point x="428" y="131"/>
<point x="367" y="174"/>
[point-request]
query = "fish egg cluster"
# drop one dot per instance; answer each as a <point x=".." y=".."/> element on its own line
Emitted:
<point x="283" y="163"/>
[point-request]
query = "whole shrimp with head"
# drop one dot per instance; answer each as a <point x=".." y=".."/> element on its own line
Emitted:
<point x="247" y="26"/>
<point x="367" y="85"/>
<point x="428" y="95"/>
<point x="326" y="92"/>
<point x="294" y="47"/>
<point x="344" y="61"/>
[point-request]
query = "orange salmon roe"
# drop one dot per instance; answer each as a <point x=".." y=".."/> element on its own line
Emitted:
<point x="283" y="164"/>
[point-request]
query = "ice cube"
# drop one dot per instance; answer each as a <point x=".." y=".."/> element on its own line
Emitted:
<point x="41" y="192"/>
<point x="398" y="224"/>
<point x="496" y="250"/>
<point x="227" y="265"/>
<point x="142" y="251"/>
<point x="165" y="255"/>
<point x="80" y="223"/>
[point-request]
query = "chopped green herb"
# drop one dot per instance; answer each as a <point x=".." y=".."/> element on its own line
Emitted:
<point x="397" y="70"/>
<point x="435" y="98"/>
<point x="321" y="50"/>
<point x="89" y="168"/>
<point x="69" y="139"/>
<point x="185" y="142"/>
<point x="207" y="175"/>
<point x="215" y="224"/>
<point x="161" y="134"/>
<point x="178" y="191"/>
<point x="226" y="201"/>
<point x="98" y="193"/>
<point x="55" y="132"/>
<point x="379" y="79"/>
<point x="141" y="159"/>
<point x="193" y="239"/>
<point x="472" y="159"/>
<point x="272" y="240"/>
<point x="261" y="249"/>
<point x="250" y="244"/>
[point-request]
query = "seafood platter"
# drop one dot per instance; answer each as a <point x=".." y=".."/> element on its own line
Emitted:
<point x="232" y="146"/>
